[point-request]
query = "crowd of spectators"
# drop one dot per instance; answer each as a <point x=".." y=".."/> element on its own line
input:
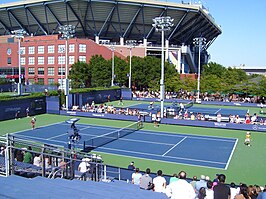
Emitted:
<point x="180" y="186"/>
<point x="205" y="96"/>
<point x="107" y="109"/>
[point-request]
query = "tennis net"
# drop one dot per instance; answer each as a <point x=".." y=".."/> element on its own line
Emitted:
<point x="109" y="137"/>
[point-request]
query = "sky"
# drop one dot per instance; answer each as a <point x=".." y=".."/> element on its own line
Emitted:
<point x="243" y="38"/>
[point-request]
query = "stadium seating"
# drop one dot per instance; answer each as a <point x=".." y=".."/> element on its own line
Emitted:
<point x="39" y="187"/>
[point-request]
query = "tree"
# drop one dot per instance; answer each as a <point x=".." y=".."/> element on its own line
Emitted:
<point x="80" y="75"/>
<point x="101" y="71"/>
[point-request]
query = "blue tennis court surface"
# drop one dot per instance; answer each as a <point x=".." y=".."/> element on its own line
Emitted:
<point x="194" y="109"/>
<point x="204" y="151"/>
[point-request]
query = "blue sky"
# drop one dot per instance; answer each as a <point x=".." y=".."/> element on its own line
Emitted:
<point x="243" y="40"/>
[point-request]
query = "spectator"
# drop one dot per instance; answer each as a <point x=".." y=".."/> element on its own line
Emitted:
<point x="173" y="178"/>
<point x="200" y="183"/>
<point x="159" y="182"/>
<point x="84" y="168"/>
<point x="209" y="191"/>
<point x="37" y="160"/>
<point x="2" y="151"/>
<point x="243" y="193"/>
<point x="221" y="191"/>
<point x="201" y="194"/>
<point x="262" y="195"/>
<point x="131" y="166"/>
<point x="234" y="190"/>
<point x="216" y="178"/>
<point x="193" y="182"/>
<point x="19" y="156"/>
<point x="28" y="156"/>
<point x="145" y="180"/>
<point x="251" y="192"/>
<point x="181" y="188"/>
<point x="136" y="177"/>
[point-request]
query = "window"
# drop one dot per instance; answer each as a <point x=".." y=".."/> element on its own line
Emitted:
<point x="41" y="71"/>
<point x="51" y="49"/>
<point x="50" y="60"/>
<point x="61" y="48"/>
<point x="41" y="80"/>
<point x="82" y="58"/>
<point x="40" y="60"/>
<point x="31" y="50"/>
<point x="22" y="50"/>
<point x="50" y="71"/>
<point x="9" y="60"/>
<point x="82" y="48"/>
<point x="61" y="71"/>
<point x="71" y="59"/>
<point x="71" y="48"/>
<point x="40" y="49"/>
<point x="31" y="60"/>
<point x="22" y="60"/>
<point x="61" y="60"/>
<point x="50" y="81"/>
<point x="31" y="71"/>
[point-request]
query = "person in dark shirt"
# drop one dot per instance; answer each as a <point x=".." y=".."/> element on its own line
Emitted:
<point x="221" y="191"/>
<point x="131" y="166"/>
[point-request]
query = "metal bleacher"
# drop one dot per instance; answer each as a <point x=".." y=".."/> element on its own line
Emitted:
<point x="40" y="187"/>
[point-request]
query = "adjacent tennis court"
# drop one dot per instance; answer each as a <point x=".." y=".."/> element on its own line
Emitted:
<point x="194" y="109"/>
<point x="204" y="151"/>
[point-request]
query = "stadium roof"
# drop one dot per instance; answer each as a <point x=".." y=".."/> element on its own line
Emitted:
<point x="109" y="19"/>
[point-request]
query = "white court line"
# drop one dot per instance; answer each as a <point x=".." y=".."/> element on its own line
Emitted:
<point x="190" y="136"/>
<point x="135" y="104"/>
<point x="151" y="154"/>
<point x="17" y="132"/>
<point x="160" y="143"/>
<point x="231" y="155"/>
<point x="155" y="160"/>
<point x="218" y="111"/>
<point x="174" y="146"/>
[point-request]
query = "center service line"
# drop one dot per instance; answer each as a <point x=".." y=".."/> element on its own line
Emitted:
<point x="174" y="146"/>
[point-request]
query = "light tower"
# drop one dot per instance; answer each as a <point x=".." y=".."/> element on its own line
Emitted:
<point x="162" y="24"/>
<point x="66" y="31"/>
<point x="19" y="34"/>
<point x="200" y="42"/>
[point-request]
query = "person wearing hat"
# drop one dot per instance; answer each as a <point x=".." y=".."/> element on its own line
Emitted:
<point x="131" y="166"/>
<point x="200" y="183"/>
<point x="84" y="168"/>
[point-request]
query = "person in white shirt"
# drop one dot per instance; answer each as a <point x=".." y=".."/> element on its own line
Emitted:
<point x="180" y="188"/>
<point x="159" y="182"/>
<point x="209" y="191"/>
<point x="136" y="177"/>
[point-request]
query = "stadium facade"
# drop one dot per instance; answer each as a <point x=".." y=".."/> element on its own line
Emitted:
<point x="105" y="23"/>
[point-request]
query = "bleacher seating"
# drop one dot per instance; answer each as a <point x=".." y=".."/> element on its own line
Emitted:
<point x="39" y="187"/>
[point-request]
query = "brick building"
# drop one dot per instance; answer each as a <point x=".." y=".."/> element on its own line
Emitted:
<point x="43" y="57"/>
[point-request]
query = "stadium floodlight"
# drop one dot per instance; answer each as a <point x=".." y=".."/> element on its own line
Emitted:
<point x="19" y="34"/>
<point x="162" y="24"/>
<point x="132" y="44"/>
<point x="67" y="32"/>
<point x="112" y="48"/>
<point x="200" y="43"/>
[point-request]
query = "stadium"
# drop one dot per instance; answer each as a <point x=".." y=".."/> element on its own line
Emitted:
<point x="88" y="150"/>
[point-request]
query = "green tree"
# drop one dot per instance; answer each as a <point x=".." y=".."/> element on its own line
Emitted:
<point x="80" y="75"/>
<point x="101" y="71"/>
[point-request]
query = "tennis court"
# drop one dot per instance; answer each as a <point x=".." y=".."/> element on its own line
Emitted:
<point x="204" y="151"/>
<point x="194" y="109"/>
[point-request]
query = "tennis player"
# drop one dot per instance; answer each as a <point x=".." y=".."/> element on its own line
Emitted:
<point x="248" y="139"/>
<point x="33" y="121"/>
